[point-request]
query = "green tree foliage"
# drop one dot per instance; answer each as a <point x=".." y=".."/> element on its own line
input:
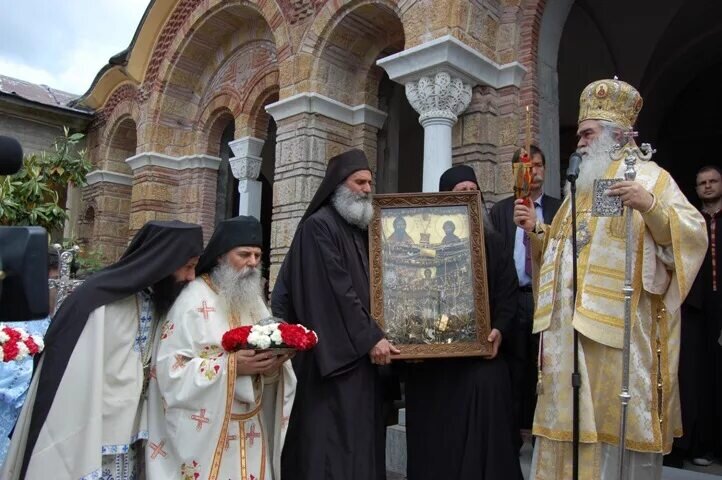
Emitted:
<point x="36" y="194"/>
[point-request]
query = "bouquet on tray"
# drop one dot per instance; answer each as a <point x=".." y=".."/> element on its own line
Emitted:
<point x="277" y="336"/>
<point x="16" y="344"/>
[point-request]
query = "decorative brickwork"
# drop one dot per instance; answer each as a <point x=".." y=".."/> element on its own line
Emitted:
<point x="531" y="15"/>
<point x="181" y="12"/>
<point x="298" y="10"/>
<point x="103" y="225"/>
<point x="224" y="59"/>
<point x="122" y="94"/>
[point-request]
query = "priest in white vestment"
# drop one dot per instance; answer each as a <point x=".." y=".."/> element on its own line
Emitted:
<point x="82" y="418"/>
<point x="215" y="414"/>
<point x="668" y="246"/>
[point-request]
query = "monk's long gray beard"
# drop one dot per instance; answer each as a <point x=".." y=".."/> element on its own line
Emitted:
<point x="242" y="290"/>
<point x="355" y="208"/>
<point x="596" y="161"/>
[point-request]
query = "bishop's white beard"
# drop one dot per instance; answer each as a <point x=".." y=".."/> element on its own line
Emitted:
<point x="596" y="161"/>
<point x="242" y="290"/>
<point x="355" y="208"/>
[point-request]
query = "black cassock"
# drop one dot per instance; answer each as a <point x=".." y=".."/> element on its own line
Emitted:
<point x="336" y="430"/>
<point x="459" y="411"/>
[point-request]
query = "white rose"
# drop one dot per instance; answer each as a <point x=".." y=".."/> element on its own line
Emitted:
<point x="264" y="342"/>
<point x="23" y="351"/>
<point x="276" y="337"/>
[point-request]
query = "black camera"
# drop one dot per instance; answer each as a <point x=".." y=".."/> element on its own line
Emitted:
<point x="23" y="256"/>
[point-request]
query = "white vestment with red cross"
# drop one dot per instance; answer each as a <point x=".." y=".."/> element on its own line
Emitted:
<point x="205" y="422"/>
<point x="97" y="409"/>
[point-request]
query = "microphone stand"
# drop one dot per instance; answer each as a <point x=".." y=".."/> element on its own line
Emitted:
<point x="576" y="377"/>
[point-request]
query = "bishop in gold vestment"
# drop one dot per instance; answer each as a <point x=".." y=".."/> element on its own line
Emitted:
<point x="669" y="243"/>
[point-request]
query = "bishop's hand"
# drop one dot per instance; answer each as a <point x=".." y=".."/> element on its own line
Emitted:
<point x="632" y="194"/>
<point x="524" y="215"/>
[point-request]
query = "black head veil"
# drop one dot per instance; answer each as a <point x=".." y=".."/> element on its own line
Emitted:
<point x="157" y="250"/>
<point x="339" y="168"/>
<point x="242" y="231"/>
<point x="455" y="175"/>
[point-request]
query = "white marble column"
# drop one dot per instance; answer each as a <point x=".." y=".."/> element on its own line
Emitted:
<point x="246" y="167"/>
<point x="439" y="76"/>
<point x="438" y="99"/>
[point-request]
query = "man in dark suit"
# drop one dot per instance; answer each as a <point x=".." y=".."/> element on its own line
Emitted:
<point x="524" y="346"/>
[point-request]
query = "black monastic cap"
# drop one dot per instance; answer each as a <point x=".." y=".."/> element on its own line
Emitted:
<point x="455" y="175"/>
<point x="339" y="169"/>
<point x="242" y="231"/>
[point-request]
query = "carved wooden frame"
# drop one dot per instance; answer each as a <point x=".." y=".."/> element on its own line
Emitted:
<point x="477" y="255"/>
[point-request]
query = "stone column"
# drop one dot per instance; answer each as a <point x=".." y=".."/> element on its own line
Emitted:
<point x="107" y="195"/>
<point x="166" y="188"/>
<point x="438" y="99"/>
<point x="246" y="167"/>
<point x="439" y="76"/>
<point x="311" y="129"/>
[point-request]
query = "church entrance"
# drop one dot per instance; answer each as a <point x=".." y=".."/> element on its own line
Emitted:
<point x="268" y="153"/>
<point x="400" y="151"/>
<point x="673" y="61"/>
<point x="227" y="196"/>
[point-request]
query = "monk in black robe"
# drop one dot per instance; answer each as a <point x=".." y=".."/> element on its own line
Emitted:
<point x="336" y="429"/>
<point x="459" y="419"/>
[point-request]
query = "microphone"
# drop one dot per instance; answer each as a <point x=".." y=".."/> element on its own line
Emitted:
<point x="11" y="156"/>
<point x="573" y="171"/>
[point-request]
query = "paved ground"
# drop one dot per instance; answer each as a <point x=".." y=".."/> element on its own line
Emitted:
<point x="690" y="471"/>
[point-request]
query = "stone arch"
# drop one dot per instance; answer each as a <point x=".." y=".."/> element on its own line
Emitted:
<point x="224" y="102"/>
<point x="346" y="44"/>
<point x="207" y="49"/>
<point x="182" y="23"/>
<point x="263" y="92"/>
<point x="86" y="224"/>
<point x="220" y="120"/>
<point x="120" y="142"/>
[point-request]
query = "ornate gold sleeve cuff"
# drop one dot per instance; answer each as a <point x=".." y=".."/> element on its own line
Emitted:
<point x="657" y="221"/>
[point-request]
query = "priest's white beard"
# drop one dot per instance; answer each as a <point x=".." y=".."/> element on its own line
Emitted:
<point x="355" y="208"/>
<point x="595" y="162"/>
<point x="242" y="290"/>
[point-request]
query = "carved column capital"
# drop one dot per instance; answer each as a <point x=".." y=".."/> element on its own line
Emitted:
<point x="438" y="96"/>
<point x="246" y="165"/>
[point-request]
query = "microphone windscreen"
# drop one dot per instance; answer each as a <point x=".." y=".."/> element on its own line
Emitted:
<point x="574" y="161"/>
<point x="11" y="155"/>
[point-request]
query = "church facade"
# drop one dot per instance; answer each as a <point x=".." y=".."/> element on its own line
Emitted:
<point x="202" y="72"/>
<point x="226" y="107"/>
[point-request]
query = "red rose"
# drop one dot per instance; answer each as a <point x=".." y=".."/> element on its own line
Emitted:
<point x="10" y="351"/>
<point x="32" y="346"/>
<point x="235" y="338"/>
<point x="296" y="336"/>
<point x="12" y="333"/>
